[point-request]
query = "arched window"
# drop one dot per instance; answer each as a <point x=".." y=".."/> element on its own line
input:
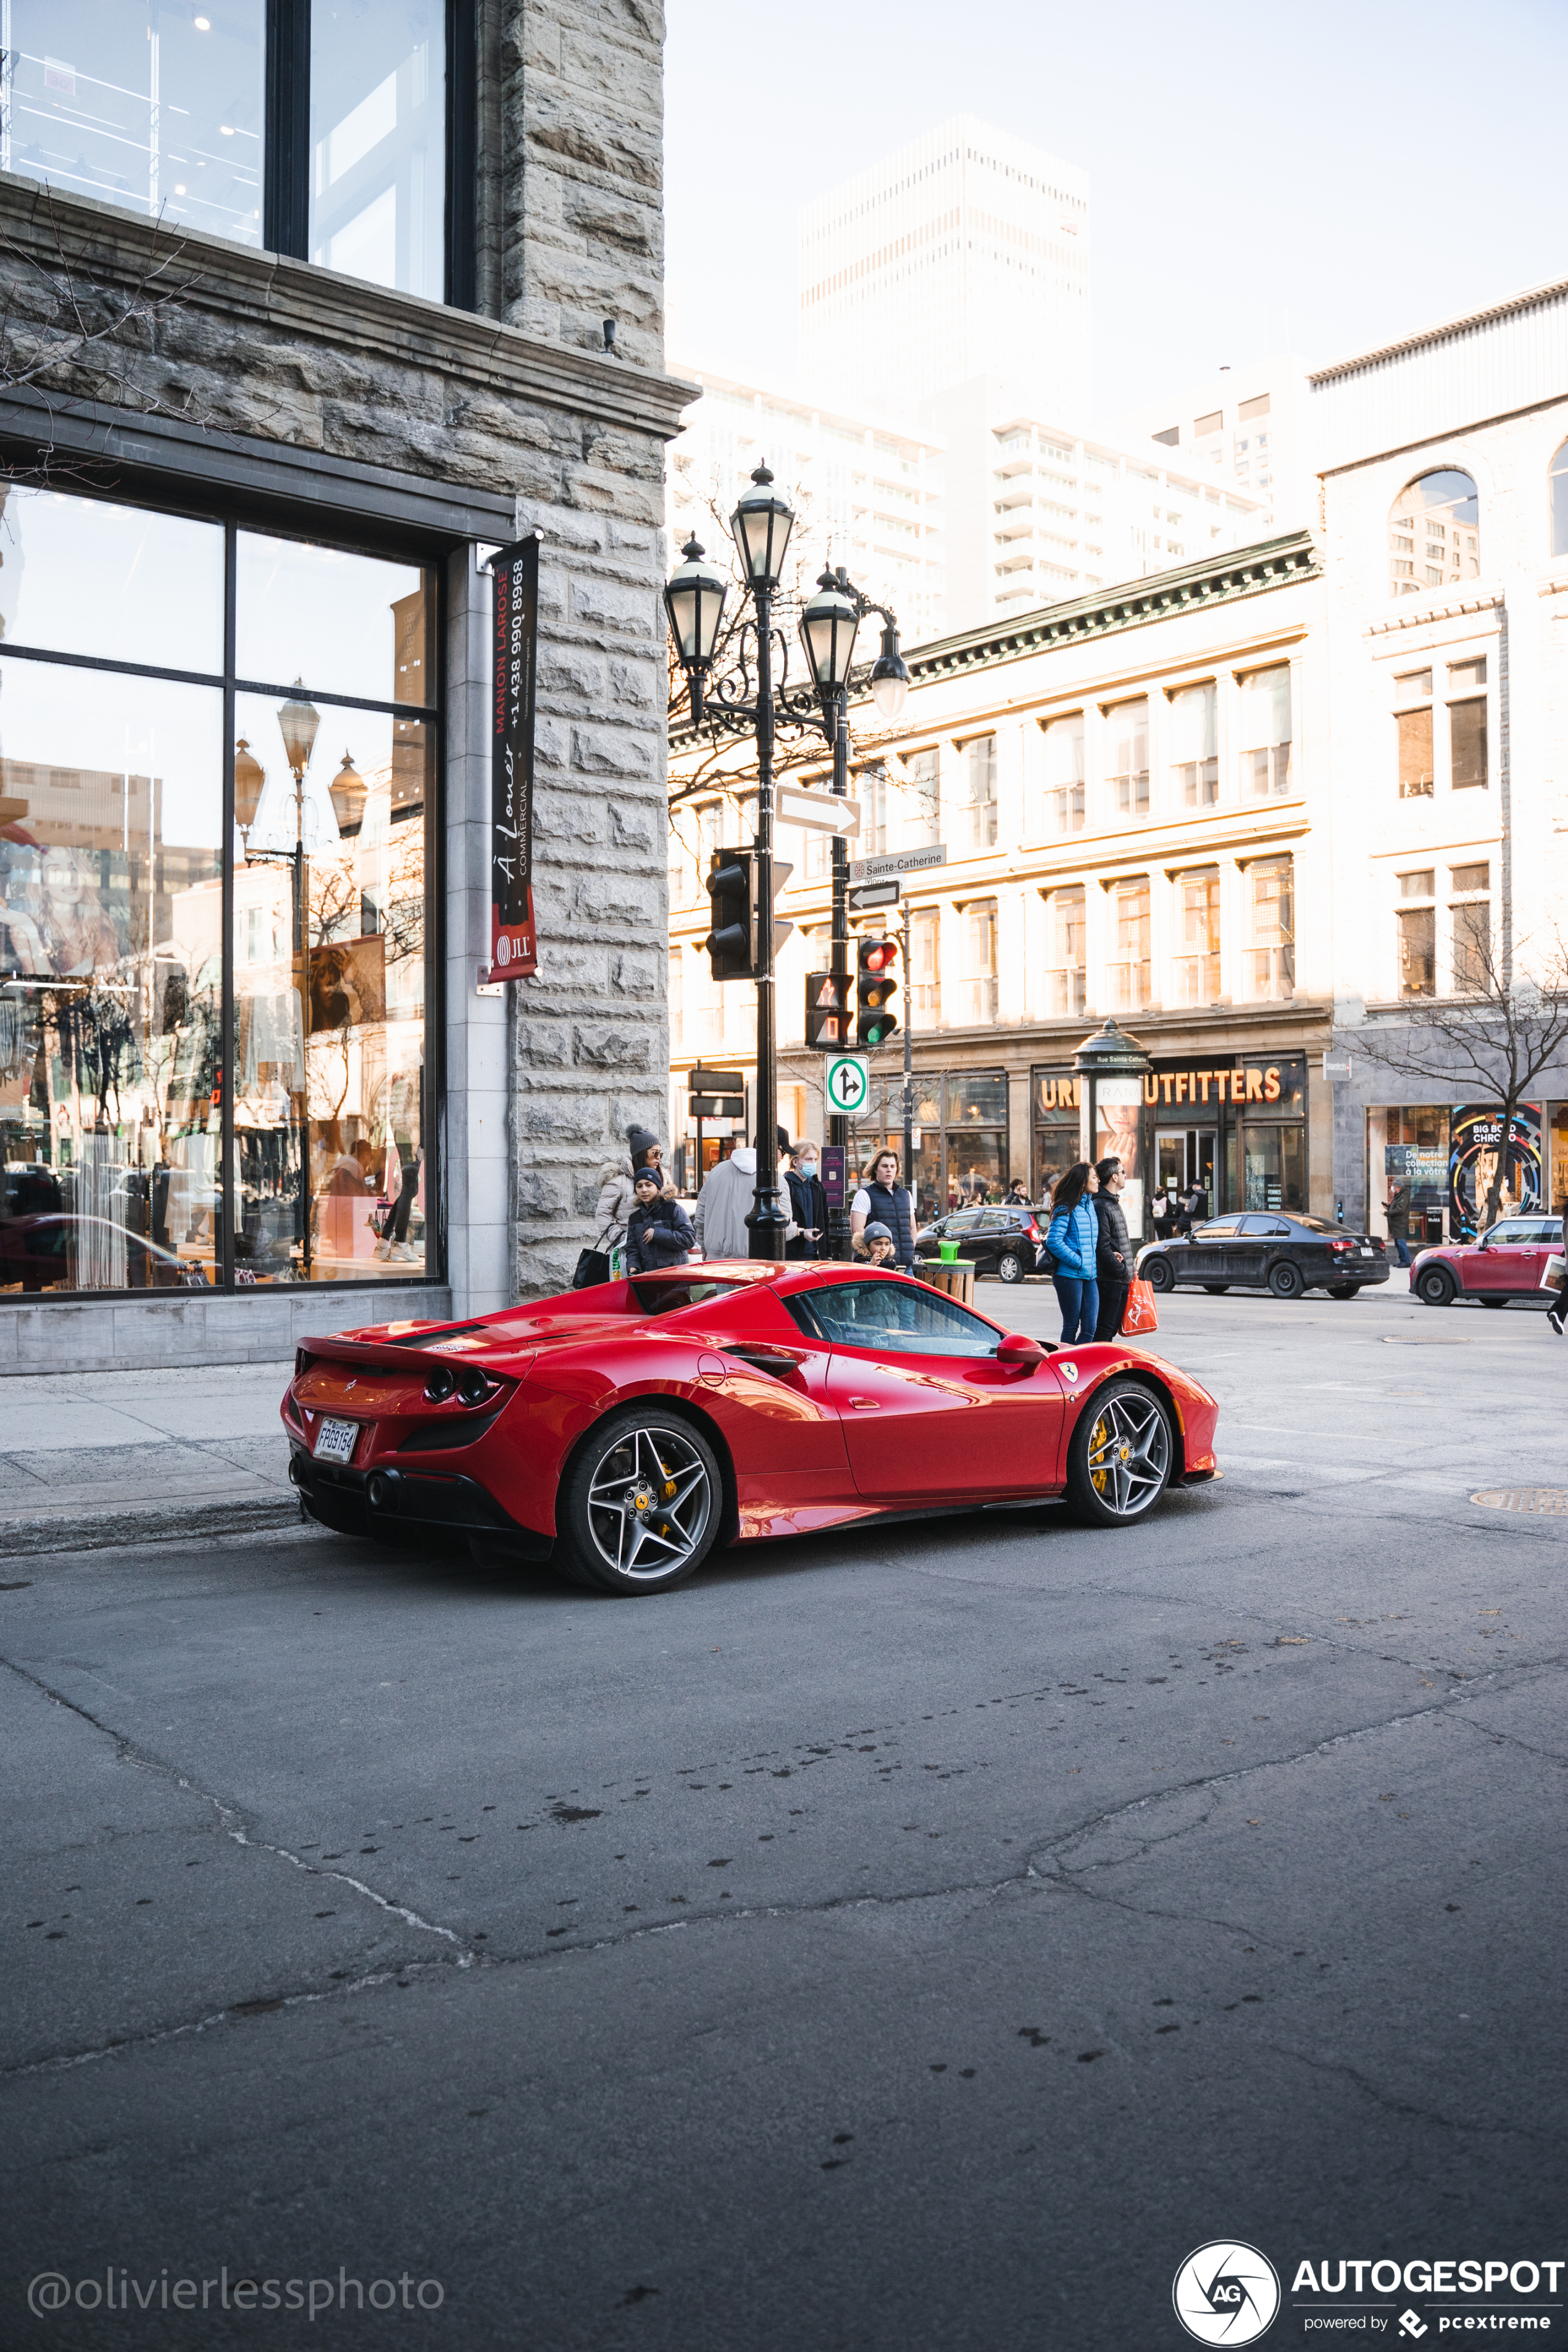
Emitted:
<point x="1433" y="534"/>
<point x="1558" y="477"/>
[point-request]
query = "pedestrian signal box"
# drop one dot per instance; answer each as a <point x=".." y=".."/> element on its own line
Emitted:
<point x="826" y="1009"/>
<point x="736" y="929"/>
<point x="876" y="986"/>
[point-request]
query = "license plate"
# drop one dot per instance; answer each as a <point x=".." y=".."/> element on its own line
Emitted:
<point x="335" y="1441"/>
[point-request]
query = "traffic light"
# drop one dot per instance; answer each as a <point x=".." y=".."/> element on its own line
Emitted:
<point x="736" y="927"/>
<point x="876" y="987"/>
<point x="826" y="1009"/>
<point x="729" y="940"/>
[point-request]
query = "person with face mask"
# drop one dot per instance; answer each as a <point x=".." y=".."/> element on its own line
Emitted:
<point x="807" y="1202"/>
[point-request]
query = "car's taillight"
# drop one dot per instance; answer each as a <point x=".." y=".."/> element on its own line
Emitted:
<point x="1031" y="1229"/>
<point x="1342" y="1244"/>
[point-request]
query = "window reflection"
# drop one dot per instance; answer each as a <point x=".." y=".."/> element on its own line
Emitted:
<point x="110" y="967"/>
<point x="330" y="1031"/>
<point x="119" y="582"/>
<point x="345" y="624"/>
<point x="157" y="108"/>
<point x="378" y="142"/>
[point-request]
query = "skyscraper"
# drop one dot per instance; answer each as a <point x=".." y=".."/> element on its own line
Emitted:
<point x="963" y="254"/>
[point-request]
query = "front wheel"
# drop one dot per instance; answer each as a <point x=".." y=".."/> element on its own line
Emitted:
<point x="1285" y="1280"/>
<point x="1010" y="1268"/>
<point x="1119" y="1455"/>
<point x="639" y="1509"/>
<point x="1158" y="1276"/>
<point x="1435" y="1288"/>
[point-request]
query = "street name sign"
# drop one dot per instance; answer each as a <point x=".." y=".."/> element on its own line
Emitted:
<point x="873" y="894"/>
<point x="903" y="861"/>
<point x="819" y="812"/>
<point x="845" y="1084"/>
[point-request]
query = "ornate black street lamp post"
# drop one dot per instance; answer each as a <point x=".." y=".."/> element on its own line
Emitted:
<point x="748" y="703"/>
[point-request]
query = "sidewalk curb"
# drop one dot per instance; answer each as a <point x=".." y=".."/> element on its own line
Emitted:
<point x="156" y="1523"/>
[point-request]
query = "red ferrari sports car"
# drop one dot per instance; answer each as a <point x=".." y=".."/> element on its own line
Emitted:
<point x="622" y="1432"/>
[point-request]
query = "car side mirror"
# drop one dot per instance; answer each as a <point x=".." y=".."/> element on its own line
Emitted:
<point x="1018" y="1351"/>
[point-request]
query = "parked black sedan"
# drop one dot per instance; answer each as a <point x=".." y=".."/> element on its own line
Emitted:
<point x="1284" y="1253"/>
<point x="1005" y="1241"/>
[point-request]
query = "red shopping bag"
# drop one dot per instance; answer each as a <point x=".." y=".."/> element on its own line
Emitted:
<point x="1138" y="1316"/>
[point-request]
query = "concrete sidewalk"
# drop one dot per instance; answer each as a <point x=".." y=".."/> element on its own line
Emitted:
<point x="91" y="1459"/>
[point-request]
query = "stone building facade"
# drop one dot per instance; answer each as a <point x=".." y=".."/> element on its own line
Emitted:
<point x="290" y="403"/>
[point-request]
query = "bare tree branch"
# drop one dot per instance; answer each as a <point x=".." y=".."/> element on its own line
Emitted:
<point x="79" y="340"/>
<point x="1497" y="1038"/>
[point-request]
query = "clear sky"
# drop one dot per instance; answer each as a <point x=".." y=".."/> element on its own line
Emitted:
<point x="1264" y="177"/>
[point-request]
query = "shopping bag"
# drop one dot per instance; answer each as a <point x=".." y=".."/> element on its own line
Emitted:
<point x="1552" y="1272"/>
<point x="1138" y="1316"/>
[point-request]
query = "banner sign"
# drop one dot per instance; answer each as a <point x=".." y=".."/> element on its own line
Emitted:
<point x="514" y="650"/>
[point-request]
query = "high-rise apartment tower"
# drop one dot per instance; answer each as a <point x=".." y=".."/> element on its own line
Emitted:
<point x="963" y="254"/>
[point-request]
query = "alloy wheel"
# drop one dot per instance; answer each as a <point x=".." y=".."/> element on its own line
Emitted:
<point x="1129" y="1454"/>
<point x="648" y="1503"/>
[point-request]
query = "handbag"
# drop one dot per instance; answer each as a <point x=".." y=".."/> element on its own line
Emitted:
<point x="595" y="1266"/>
<point x="1138" y="1316"/>
<point x="1553" y="1271"/>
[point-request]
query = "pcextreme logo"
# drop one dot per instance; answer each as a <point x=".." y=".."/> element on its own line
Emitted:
<point x="1226" y="2293"/>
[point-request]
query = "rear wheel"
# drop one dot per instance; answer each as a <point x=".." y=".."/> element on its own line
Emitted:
<point x="1010" y="1268"/>
<point x="1158" y="1276"/>
<point x="1285" y="1280"/>
<point x="1217" y="1289"/>
<point x="1435" y="1286"/>
<point x="1119" y="1455"/>
<point x="639" y="1510"/>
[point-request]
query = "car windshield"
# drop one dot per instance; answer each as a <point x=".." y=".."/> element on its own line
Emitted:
<point x="891" y="1317"/>
<point x="670" y="1295"/>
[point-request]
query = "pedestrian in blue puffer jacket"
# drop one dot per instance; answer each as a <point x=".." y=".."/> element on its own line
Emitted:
<point x="1073" y="1245"/>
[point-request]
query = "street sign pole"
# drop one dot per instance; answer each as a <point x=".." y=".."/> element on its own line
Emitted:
<point x="837" y="1127"/>
<point x="766" y="1223"/>
<point x="909" y="1061"/>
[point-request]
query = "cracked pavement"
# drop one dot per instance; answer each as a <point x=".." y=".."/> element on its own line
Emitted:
<point x="923" y="1937"/>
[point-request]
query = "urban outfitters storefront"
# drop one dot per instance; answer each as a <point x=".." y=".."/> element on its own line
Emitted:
<point x="1235" y="1126"/>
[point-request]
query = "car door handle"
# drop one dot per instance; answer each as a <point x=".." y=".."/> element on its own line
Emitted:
<point x="866" y="1405"/>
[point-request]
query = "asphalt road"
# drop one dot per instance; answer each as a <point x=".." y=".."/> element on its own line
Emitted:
<point x="923" y="1938"/>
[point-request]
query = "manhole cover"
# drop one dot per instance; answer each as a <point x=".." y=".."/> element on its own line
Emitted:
<point x="1525" y="1498"/>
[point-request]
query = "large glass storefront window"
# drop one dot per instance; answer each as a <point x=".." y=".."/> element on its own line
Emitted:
<point x="164" y="108"/>
<point x="960" y="1139"/>
<point x="181" y="899"/>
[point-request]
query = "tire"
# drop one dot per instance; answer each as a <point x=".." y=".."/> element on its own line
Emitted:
<point x="1158" y="1276"/>
<point x="1343" y="1289"/>
<point x="1010" y="1268"/>
<point x="1437" y="1287"/>
<point x="1119" y="1455"/>
<point x="1494" y="1302"/>
<point x="1217" y="1289"/>
<point x="1285" y="1280"/>
<point x="619" y="1533"/>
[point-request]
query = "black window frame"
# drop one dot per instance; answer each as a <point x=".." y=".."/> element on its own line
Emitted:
<point x="286" y="141"/>
<point x="233" y="519"/>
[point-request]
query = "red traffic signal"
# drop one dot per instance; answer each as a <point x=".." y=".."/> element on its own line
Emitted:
<point x="876" y="986"/>
<point x="826" y="1008"/>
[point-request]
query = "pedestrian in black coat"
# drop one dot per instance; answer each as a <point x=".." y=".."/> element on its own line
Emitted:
<point x="1113" y="1258"/>
<point x="807" y="1203"/>
<point x="658" y="1231"/>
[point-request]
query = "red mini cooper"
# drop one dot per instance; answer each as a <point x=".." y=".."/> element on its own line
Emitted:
<point x="1505" y="1263"/>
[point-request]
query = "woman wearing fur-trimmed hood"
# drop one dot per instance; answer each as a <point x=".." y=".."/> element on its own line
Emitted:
<point x="617" y="1198"/>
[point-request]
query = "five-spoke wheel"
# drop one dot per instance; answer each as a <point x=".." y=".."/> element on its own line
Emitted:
<point x="641" y="1505"/>
<point x="1121" y="1455"/>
